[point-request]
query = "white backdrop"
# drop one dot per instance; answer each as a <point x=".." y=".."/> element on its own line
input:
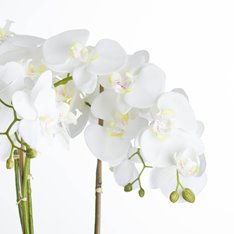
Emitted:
<point x="193" y="42"/>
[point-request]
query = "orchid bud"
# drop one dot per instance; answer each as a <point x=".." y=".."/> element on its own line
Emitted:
<point x="31" y="153"/>
<point x="174" y="196"/>
<point x="9" y="163"/>
<point x="188" y="195"/>
<point x="141" y="192"/>
<point x="128" y="188"/>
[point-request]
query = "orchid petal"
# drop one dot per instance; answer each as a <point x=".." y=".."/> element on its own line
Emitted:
<point x="125" y="173"/>
<point x="75" y="130"/>
<point x="105" y="147"/>
<point x="11" y="79"/>
<point x="137" y="60"/>
<point x="151" y="149"/>
<point x="65" y="115"/>
<point x="56" y="50"/>
<point x="5" y="148"/>
<point x="45" y="103"/>
<point x="104" y="105"/>
<point x="134" y="127"/>
<point x="43" y="82"/>
<point x="159" y="177"/>
<point x="15" y="55"/>
<point x="7" y="117"/>
<point x="121" y="105"/>
<point x="85" y="81"/>
<point x="23" y="105"/>
<point x="166" y="180"/>
<point x="202" y="167"/>
<point x="30" y="132"/>
<point x="200" y="128"/>
<point x="184" y="116"/>
<point x="160" y="152"/>
<point x="26" y="41"/>
<point x="111" y="57"/>
<point x="180" y="91"/>
<point x="196" y="184"/>
<point x="148" y="86"/>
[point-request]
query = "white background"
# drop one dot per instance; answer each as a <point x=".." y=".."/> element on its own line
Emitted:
<point x="193" y="42"/>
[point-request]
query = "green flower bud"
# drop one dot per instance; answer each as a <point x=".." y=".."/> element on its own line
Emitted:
<point x="141" y="192"/>
<point x="174" y="196"/>
<point x="31" y="153"/>
<point x="188" y="195"/>
<point x="9" y="163"/>
<point x="128" y="188"/>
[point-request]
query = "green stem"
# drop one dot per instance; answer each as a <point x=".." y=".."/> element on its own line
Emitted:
<point x="178" y="181"/>
<point x="30" y="210"/>
<point x="5" y="104"/>
<point x="7" y="132"/>
<point x="24" y="195"/>
<point x="18" y="191"/>
<point x="63" y="81"/>
<point x="138" y="153"/>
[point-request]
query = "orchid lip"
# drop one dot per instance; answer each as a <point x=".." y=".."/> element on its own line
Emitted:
<point x="122" y="83"/>
<point x="187" y="162"/>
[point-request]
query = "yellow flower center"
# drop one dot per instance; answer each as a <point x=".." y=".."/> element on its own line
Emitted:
<point x="118" y="126"/>
<point x="163" y="124"/>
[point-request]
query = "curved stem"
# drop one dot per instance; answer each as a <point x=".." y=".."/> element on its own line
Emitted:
<point x="138" y="153"/>
<point x="178" y="181"/>
<point x="98" y="187"/>
<point x="24" y="195"/>
<point x="5" y="104"/>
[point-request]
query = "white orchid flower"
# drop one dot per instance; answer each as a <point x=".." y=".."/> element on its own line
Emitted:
<point x="186" y="171"/>
<point x="173" y="114"/>
<point x="58" y="51"/>
<point x="25" y="50"/>
<point x="40" y="112"/>
<point x="181" y="164"/>
<point x="172" y="144"/>
<point x="138" y="83"/>
<point x="107" y="56"/>
<point x="12" y="77"/>
<point x="67" y="53"/>
<point x="77" y="105"/>
<point x="112" y="142"/>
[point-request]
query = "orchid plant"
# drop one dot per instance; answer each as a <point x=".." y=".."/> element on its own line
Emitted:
<point x="52" y="90"/>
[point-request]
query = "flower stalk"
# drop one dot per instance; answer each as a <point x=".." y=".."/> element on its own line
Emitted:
<point x="24" y="199"/>
<point x="98" y="193"/>
<point x="29" y="194"/>
<point x="18" y="187"/>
